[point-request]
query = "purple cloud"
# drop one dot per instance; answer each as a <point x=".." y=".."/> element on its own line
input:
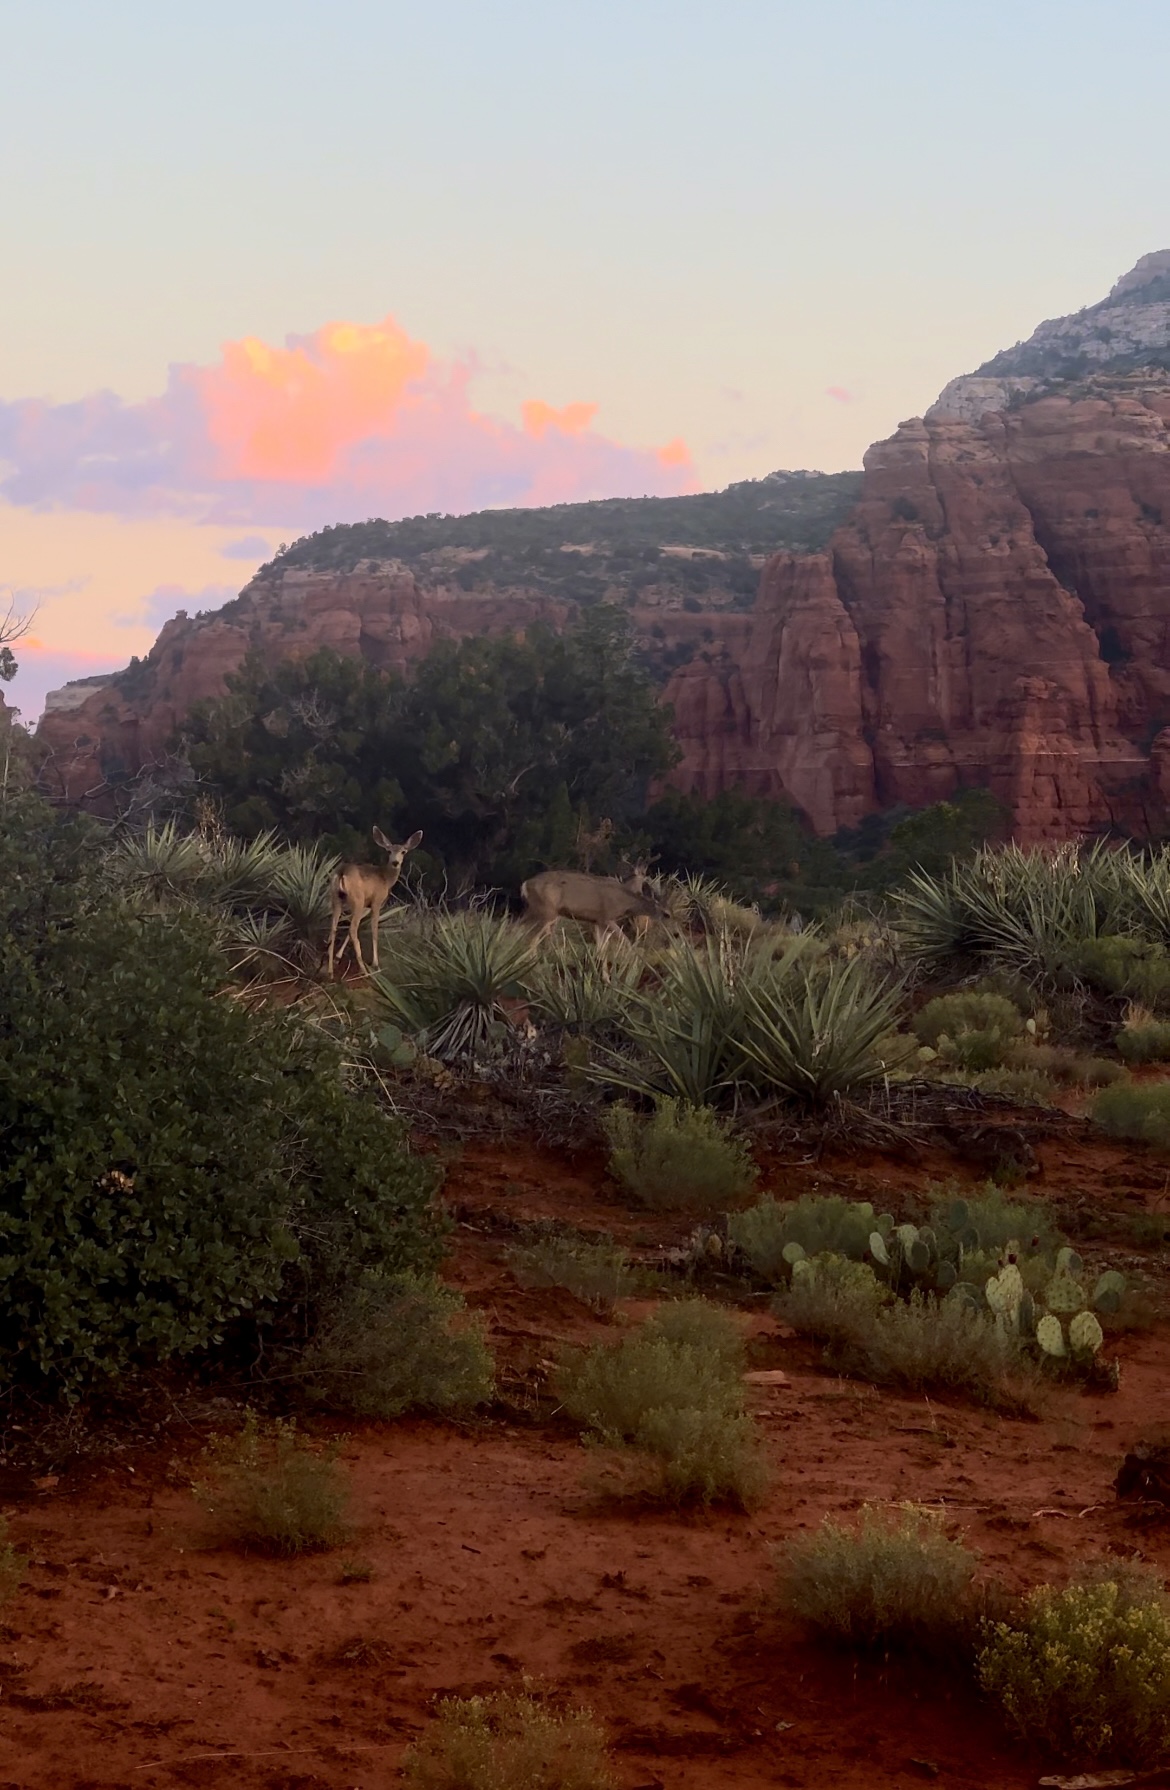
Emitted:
<point x="247" y="547"/>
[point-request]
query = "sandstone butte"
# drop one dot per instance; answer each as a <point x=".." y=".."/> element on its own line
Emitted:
<point x="994" y="612"/>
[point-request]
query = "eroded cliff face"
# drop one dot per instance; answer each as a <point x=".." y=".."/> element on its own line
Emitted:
<point x="996" y="612"/>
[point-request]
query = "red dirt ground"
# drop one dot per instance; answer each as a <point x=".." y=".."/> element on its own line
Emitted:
<point x="138" y="1655"/>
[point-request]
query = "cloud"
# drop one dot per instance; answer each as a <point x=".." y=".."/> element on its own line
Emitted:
<point x="352" y="421"/>
<point x="166" y="600"/>
<point x="841" y="393"/>
<point x="247" y="547"/>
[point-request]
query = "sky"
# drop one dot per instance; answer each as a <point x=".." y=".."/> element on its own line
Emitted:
<point x="272" y="266"/>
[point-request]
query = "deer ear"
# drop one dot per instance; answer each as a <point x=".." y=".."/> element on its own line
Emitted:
<point x="415" y="839"/>
<point x="381" y="839"/>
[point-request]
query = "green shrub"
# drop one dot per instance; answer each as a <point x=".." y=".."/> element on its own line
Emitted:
<point x="1128" y="966"/>
<point x="450" y="978"/>
<point x="200" y="1165"/>
<point x="673" y="1391"/>
<point x="508" y="1742"/>
<point x="953" y="1015"/>
<point x="1086" y="1673"/>
<point x="1030" y="1087"/>
<point x="1143" y="1039"/>
<point x="989" y="1222"/>
<point x="833" y="1299"/>
<point x="815" y="1222"/>
<point x="682" y="1156"/>
<point x="1140" y="1111"/>
<point x="400" y="1345"/>
<point x="12" y="1565"/>
<point x="271" y="1492"/>
<point x="1097" y="1072"/>
<point x="597" y="1273"/>
<point x="894" y="1582"/>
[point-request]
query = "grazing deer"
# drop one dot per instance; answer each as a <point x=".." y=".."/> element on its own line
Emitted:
<point x="362" y="887"/>
<point x="602" y="902"/>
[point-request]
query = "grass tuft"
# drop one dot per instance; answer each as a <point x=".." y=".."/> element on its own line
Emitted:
<point x="508" y="1742"/>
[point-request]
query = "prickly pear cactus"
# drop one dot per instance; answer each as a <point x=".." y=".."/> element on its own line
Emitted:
<point x="1049" y="1335"/>
<point x="1085" y="1335"/>
<point x="1069" y="1262"/>
<point x="1108" y="1290"/>
<point x="1064" y="1293"/>
<point x="1026" y="1315"/>
<point x="878" y="1249"/>
<point x="1004" y="1292"/>
<point x="793" y="1253"/>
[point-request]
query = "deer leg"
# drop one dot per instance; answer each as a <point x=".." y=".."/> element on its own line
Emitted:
<point x="375" y="921"/>
<point x="338" y="904"/>
<point x="357" y="912"/>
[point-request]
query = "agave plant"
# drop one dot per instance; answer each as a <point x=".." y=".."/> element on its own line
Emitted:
<point x="299" y="888"/>
<point x="451" y="977"/>
<point x="239" y="872"/>
<point x="815" y="1036"/>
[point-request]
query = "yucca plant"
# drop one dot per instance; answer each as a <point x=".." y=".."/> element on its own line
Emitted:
<point x="451" y="976"/>
<point x="239" y="871"/>
<point x="299" y="888"/>
<point x="815" y="1036"/>
<point x="684" y="1037"/>
<point x="162" y="864"/>
<point x="571" y="986"/>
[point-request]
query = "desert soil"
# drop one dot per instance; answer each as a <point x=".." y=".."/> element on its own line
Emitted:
<point x="137" y="1654"/>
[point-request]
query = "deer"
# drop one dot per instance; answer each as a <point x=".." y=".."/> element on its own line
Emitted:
<point x="602" y="902"/>
<point x="363" y="888"/>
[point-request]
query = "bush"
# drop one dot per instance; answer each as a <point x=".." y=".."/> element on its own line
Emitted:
<point x="997" y="1221"/>
<point x="833" y="1299"/>
<point x="400" y="1345"/>
<point x="271" y="1492"/>
<point x="1143" y="1039"/>
<point x="596" y="1273"/>
<point x="199" y="1165"/>
<point x="816" y="1036"/>
<point x="673" y="1390"/>
<point x="1129" y="966"/>
<point x="450" y="978"/>
<point x="508" y="1742"/>
<point x="682" y="1156"/>
<point x="1029" y="1087"/>
<point x="817" y="1223"/>
<point x="895" y="1582"/>
<point x="953" y="1015"/>
<point x="1086" y="1672"/>
<point x="1138" y="1111"/>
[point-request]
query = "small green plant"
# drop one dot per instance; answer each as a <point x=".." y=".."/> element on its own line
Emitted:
<point x="979" y="1028"/>
<point x="773" y="1234"/>
<point x="896" y="1582"/>
<point x="672" y="1391"/>
<point x="355" y="1572"/>
<point x="1142" y="1038"/>
<point x="12" y="1565"/>
<point x="1029" y="1087"/>
<point x="1086" y="1672"/>
<point x="508" y="1742"/>
<point x="833" y="1299"/>
<point x="596" y="1272"/>
<point x="270" y="1491"/>
<point x="1140" y="1111"/>
<point x="400" y="1345"/>
<point x="681" y="1156"/>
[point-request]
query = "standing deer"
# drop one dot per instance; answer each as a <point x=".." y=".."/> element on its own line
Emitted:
<point x="362" y="887"/>
<point x="602" y="902"/>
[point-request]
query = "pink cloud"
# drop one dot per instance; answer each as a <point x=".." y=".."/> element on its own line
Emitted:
<point x="840" y="392"/>
<point x="352" y="421"/>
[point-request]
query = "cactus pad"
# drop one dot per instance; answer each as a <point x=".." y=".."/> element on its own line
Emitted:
<point x="793" y="1253"/>
<point x="1049" y="1335"/>
<point x="1085" y="1335"/>
<point x="1063" y="1293"/>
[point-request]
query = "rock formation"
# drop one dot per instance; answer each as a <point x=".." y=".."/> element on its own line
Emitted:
<point x="994" y="612"/>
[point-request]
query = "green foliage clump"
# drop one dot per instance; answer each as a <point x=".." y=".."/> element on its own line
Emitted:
<point x="508" y="1741"/>
<point x="400" y="1345"/>
<point x="174" y="1163"/>
<point x="809" y="1226"/>
<point x="272" y="1492"/>
<point x="1086" y="1672"/>
<point x="974" y="1030"/>
<point x="1143" y="1039"/>
<point x="672" y="1390"/>
<point x="816" y="1037"/>
<point x="681" y="1156"/>
<point x="896" y="1582"/>
<point x="833" y="1299"/>
<point x="451" y="975"/>
<point x="1028" y="1087"/>
<point x="596" y="1272"/>
<point x="1129" y="966"/>
<point x="1140" y="1111"/>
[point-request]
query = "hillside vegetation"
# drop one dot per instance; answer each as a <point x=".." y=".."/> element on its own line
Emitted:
<point x="582" y="551"/>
